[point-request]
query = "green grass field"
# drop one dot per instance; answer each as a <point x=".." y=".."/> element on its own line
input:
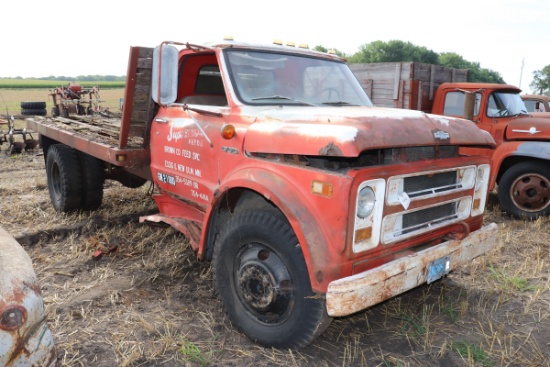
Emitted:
<point x="11" y="98"/>
<point x="13" y="83"/>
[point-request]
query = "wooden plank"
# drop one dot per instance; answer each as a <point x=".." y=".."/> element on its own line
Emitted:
<point x="396" y="80"/>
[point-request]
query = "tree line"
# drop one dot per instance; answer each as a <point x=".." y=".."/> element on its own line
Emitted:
<point x="396" y="51"/>
<point x="391" y="51"/>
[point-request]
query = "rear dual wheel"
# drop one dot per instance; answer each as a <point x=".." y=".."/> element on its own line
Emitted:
<point x="75" y="179"/>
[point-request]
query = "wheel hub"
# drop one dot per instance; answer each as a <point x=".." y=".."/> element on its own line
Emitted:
<point x="264" y="284"/>
<point x="257" y="286"/>
<point x="531" y="192"/>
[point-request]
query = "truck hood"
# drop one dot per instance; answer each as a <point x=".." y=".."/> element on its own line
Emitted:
<point x="347" y="131"/>
<point x="529" y="128"/>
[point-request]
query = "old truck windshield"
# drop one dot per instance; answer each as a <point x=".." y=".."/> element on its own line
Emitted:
<point x="502" y="104"/>
<point x="263" y="78"/>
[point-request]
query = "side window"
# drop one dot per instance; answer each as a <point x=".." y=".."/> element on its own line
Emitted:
<point x="208" y="89"/>
<point x="454" y="104"/>
<point x="530" y="105"/>
<point x="209" y="80"/>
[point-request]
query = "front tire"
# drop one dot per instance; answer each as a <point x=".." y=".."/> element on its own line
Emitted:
<point x="263" y="281"/>
<point x="524" y="190"/>
<point x="64" y="178"/>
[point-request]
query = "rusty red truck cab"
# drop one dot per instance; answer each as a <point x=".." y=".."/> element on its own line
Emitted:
<point x="520" y="168"/>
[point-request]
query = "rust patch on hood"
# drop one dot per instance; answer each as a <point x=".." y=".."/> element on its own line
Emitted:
<point x="331" y="150"/>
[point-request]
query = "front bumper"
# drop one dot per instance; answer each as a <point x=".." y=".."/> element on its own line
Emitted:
<point x="360" y="291"/>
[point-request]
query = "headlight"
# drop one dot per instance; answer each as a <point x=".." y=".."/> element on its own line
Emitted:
<point x="365" y="202"/>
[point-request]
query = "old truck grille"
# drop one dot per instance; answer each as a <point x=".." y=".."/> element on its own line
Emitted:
<point x="399" y="226"/>
<point x="406" y="189"/>
<point x="430" y="184"/>
<point x="429" y="216"/>
<point x="438" y="182"/>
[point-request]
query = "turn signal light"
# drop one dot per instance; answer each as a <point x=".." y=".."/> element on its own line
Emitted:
<point x="321" y="188"/>
<point x="228" y="131"/>
<point x="363" y="234"/>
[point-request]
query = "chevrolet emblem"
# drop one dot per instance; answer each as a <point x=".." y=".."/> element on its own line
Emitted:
<point x="441" y="135"/>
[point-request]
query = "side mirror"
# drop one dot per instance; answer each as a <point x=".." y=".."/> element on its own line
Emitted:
<point x="164" y="86"/>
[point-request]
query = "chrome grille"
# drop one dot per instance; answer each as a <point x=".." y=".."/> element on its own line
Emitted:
<point x="428" y="217"/>
<point x="424" y="185"/>
<point x="433" y="183"/>
<point x="399" y="226"/>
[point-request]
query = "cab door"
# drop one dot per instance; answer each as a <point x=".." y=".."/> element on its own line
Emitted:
<point x="185" y="136"/>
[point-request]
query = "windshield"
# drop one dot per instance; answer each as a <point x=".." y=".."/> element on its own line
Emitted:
<point x="502" y="104"/>
<point x="261" y="78"/>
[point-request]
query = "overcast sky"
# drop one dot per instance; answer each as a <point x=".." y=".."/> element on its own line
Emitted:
<point x="42" y="38"/>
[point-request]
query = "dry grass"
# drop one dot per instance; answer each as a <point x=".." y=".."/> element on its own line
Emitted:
<point x="149" y="302"/>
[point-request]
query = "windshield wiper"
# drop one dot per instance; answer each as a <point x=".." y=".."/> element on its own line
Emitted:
<point x="338" y="103"/>
<point x="278" y="97"/>
<point x="522" y="112"/>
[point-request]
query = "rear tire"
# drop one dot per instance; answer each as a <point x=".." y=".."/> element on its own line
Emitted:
<point x="263" y="281"/>
<point x="93" y="177"/>
<point x="524" y="190"/>
<point x="64" y="178"/>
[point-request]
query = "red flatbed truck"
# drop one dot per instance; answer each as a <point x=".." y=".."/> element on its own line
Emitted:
<point x="271" y="159"/>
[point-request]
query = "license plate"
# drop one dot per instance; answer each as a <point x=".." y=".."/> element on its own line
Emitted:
<point x="438" y="269"/>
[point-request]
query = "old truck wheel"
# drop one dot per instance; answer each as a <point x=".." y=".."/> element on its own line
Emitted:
<point x="64" y="178"/>
<point x="263" y="282"/>
<point x="93" y="177"/>
<point x="524" y="190"/>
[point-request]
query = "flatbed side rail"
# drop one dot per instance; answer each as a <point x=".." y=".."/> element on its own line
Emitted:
<point x="138" y="107"/>
<point x="97" y="141"/>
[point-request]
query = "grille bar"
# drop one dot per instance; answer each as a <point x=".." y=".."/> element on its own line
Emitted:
<point x="399" y="226"/>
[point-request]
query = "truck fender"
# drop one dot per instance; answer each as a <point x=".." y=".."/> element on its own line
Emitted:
<point x="510" y="153"/>
<point x="284" y="194"/>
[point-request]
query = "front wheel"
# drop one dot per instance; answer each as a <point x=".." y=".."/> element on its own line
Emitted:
<point x="524" y="190"/>
<point x="263" y="282"/>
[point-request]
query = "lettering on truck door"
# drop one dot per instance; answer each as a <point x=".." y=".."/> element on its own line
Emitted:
<point x="186" y="140"/>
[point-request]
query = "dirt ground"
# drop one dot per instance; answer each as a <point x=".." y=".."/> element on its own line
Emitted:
<point x="146" y="301"/>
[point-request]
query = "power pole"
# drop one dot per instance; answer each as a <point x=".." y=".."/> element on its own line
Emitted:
<point x="521" y="73"/>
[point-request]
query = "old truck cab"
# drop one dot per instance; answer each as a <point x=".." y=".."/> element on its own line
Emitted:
<point x="520" y="166"/>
